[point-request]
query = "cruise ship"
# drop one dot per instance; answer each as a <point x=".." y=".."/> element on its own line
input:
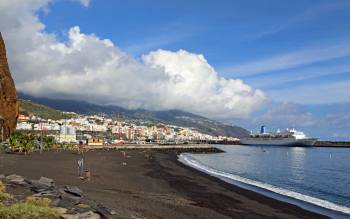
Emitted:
<point x="290" y="137"/>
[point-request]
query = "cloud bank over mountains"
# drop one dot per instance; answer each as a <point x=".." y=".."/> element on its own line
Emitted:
<point x="88" y="67"/>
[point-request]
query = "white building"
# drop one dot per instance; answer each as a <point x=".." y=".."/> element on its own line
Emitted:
<point x="24" y="126"/>
<point x="67" y="135"/>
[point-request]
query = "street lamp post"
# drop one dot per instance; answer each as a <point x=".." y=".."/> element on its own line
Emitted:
<point x="59" y="133"/>
<point x="41" y="137"/>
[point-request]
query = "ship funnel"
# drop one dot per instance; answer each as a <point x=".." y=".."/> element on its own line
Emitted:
<point x="262" y="130"/>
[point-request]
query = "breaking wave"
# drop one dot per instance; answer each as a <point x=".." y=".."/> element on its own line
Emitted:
<point x="295" y="195"/>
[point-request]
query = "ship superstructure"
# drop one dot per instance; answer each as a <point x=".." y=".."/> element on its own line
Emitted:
<point x="289" y="137"/>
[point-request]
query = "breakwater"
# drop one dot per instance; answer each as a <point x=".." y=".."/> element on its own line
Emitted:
<point x="341" y="144"/>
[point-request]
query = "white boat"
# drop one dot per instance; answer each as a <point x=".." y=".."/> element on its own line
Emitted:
<point x="290" y="137"/>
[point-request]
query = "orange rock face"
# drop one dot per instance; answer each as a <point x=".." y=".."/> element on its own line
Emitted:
<point x="9" y="104"/>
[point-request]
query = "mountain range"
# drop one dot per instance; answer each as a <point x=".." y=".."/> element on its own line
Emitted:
<point x="172" y="117"/>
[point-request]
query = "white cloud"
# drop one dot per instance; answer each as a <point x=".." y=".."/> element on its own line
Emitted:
<point x="281" y="115"/>
<point x="295" y="76"/>
<point x="291" y="60"/>
<point x="154" y="42"/>
<point x="196" y="85"/>
<point x="339" y="118"/>
<point x="288" y="115"/>
<point x="85" y="3"/>
<point x="315" y="11"/>
<point x="87" y="67"/>
<point x="331" y="92"/>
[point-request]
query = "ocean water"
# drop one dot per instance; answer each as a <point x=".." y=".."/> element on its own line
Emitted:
<point x="308" y="177"/>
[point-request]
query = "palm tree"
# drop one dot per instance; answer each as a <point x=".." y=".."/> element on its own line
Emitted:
<point x="48" y="142"/>
<point x="20" y="142"/>
<point x="14" y="141"/>
<point x="27" y="145"/>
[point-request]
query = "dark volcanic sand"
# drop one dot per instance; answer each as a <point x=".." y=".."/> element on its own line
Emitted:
<point x="152" y="184"/>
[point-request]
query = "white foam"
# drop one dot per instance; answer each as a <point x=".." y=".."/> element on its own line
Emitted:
<point x="315" y="201"/>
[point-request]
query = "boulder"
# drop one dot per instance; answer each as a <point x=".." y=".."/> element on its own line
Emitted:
<point x="85" y="215"/>
<point x="46" y="181"/>
<point x="89" y="215"/>
<point x="61" y="210"/>
<point x="70" y="195"/>
<point x="46" y="193"/>
<point x="16" y="180"/>
<point x="67" y="200"/>
<point x="104" y="211"/>
<point x="73" y="190"/>
<point x="42" y="185"/>
<point x="83" y="205"/>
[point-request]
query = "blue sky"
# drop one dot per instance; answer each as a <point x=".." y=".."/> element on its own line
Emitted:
<point x="241" y="39"/>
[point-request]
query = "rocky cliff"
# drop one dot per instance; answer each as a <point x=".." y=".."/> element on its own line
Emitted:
<point x="9" y="104"/>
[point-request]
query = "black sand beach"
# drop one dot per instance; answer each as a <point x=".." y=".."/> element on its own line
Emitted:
<point x="150" y="184"/>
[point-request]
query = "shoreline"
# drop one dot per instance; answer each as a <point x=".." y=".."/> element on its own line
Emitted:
<point x="308" y="206"/>
<point x="246" y="191"/>
<point x="151" y="184"/>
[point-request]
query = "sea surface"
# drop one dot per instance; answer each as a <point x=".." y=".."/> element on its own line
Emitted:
<point x="313" y="178"/>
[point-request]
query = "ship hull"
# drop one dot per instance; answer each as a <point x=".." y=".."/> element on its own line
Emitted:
<point x="279" y="142"/>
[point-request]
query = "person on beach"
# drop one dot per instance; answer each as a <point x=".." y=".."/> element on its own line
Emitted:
<point x="80" y="166"/>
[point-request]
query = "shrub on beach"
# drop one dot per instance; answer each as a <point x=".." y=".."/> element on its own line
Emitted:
<point x="27" y="210"/>
<point x="32" y="207"/>
<point x="4" y="196"/>
<point x="2" y="187"/>
<point x="42" y="202"/>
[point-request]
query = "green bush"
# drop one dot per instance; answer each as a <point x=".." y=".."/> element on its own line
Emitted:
<point x="27" y="210"/>
<point x="20" y="142"/>
<point x="4" y="196"/>
<point x="2" y="187"/>
<point x="42" y="202"/>
<point x="48" y="142"/>
<point x="32" y="207"/>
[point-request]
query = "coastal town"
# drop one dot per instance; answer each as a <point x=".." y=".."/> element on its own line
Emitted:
<point x="98" y="130"/>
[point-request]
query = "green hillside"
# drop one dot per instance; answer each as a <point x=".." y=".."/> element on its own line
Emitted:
<point x="45" y="112"/>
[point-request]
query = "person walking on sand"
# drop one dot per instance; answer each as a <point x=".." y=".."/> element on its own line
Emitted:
<point x="80" y="166"/>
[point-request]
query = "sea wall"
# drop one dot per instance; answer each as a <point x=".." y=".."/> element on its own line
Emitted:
<point x="340" y="144"/>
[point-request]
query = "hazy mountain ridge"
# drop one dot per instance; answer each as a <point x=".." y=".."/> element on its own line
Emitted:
<point x="174" y="117"/>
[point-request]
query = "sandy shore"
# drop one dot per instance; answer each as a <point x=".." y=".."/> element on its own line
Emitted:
<point x="150" y="184"/>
